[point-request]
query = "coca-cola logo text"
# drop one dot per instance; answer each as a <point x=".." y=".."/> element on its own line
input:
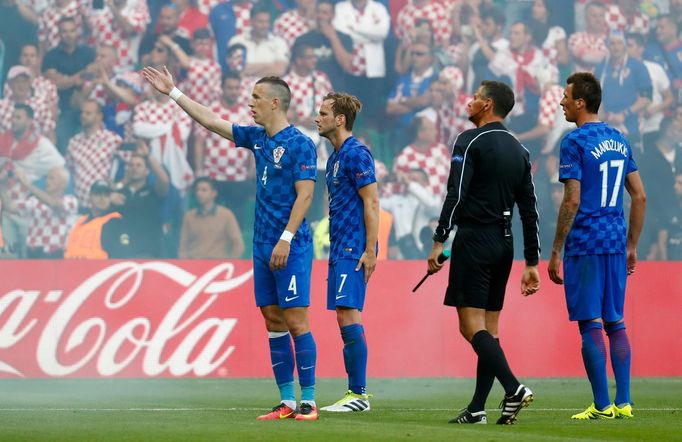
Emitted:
<point x="107" y="322"/>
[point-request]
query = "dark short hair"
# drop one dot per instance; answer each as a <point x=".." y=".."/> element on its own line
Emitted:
<point x="278" y="88"/>
<point x="232" y="75"/>
<point x="495" y="14"/>
<point x="201" y="34"/>
<point x="260" y="8"/>
<point x="586" y="87"/>
<point x="637" y="38"/>
<point x="346" y="105"/>
<point x="66" y="20"/>
<point x="501" y="94"/>
<point x="299" y="47"/>
<point x="26" y="108"/>
<point x="669" y="18"/>
<point x="207" y="180"/>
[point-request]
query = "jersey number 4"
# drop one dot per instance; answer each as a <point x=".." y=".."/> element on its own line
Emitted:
<point x="604" y="169"/>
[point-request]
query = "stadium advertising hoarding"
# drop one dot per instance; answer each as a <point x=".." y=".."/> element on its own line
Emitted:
<point x="198" y="319"/>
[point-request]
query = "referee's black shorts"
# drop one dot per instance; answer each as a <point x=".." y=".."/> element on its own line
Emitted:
<point x="481" y="261"/>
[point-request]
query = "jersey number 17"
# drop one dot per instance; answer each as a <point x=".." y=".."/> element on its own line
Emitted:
<point x="604" y="169"/>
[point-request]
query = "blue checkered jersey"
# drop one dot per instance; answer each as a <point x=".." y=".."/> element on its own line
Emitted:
<point x="281" y="161"/>
<point x="348" y="169"/>
<point x="599" y="157"/>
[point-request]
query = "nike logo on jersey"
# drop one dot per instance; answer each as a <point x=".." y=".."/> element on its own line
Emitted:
<point x="288" y="299"/>
<point x="256" y="147"/>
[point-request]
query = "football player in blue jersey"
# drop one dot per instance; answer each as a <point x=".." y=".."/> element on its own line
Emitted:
<point x="353" y="231"/>
<point x="286" y="164"/>
<point x="596" y="164"/>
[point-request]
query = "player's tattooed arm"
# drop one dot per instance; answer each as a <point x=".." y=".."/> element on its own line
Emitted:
<point x="567" y="211"/>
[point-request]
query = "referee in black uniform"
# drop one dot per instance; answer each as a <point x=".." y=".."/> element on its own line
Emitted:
<point x="489" y="173"/>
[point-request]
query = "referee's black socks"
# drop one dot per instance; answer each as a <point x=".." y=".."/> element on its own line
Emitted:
<point x="490" y="353"/>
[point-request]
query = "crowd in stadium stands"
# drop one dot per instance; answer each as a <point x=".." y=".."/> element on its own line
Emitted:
<point x="94" y="163"/>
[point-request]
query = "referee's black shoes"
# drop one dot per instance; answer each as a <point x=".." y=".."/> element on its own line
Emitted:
<point x="512" y="405"/>
<point x="467" y="417"/>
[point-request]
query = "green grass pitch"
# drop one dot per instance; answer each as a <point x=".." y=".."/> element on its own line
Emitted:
<point x="402" y="409"/>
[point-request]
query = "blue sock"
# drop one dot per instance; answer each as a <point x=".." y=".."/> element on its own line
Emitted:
<point x="594" y="358"/>
<point x="306" y="356"/>
<point x="282" y="358"/>
<point x="620" y="360"/>
<point x="355" y="357"/>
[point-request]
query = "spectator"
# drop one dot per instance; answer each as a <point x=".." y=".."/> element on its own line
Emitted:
<point x="43" y="88"/>
<point x="100" y="234"/>
<point x="138" y="198"/>
<point x="588" y="47"/>
<point x="22" y="146"/>
<point x="412" y="210"/>
<point x="166" y="126"/>
<point x="90" y="154"/>
<point x="334" y="49"/>
<point x="296" y="22"/>
<point x="121" y="24"/>
<point x="672" y="246"/>
<point x="411" y="93"/>
<point x="17" y="28"/>
<point x="202" y="82"/>
<point x="421" y="33"/>
<point x="166" y="24"/>
<point x="661" y="95"/>
<point x="426" y="154"/>
<point x="547" y="34"/>
<point x="535" y="138"/>
<point x="190" y="18"/>
<point x="658" y="169"/>
<point x="65" y="65"/>
<point x="308" y="88"/>
<point x="266" y="54"/>
<point x="626" y="89"/>
<point x="667" y="51"/>
<point x="50" y="213"/>
<point x="481" y="42"/>
<point x="434" y="12"/>
<point x="21" y="92"/>
<point x="450" y="101"/>
<point x="210" y="231"/>
<point x="48" y="29"/>
<point x="117" y="94"/>
<point x="230" y="169"/>
<point x="236" y="62"/>
<point x="228" y="19"/>
<point x="522" y="63"/>
<point x="626" y="15"/>
<point x="367" y="22"/>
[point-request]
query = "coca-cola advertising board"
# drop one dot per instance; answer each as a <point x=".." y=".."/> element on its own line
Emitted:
<point x="199" y="319"/>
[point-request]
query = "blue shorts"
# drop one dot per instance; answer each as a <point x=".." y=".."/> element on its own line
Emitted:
<point x="345" y="286"/>
<point x="289" y="287"/>
<point x="595" y="286"/>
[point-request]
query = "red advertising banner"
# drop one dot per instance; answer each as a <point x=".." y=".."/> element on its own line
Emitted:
<point x="198" y="318"/>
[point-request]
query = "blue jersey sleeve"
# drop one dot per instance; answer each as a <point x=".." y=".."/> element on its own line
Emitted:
<point x="245" y="136"/>
<point x="361" y="168"/>
<point x="305" y="160"/>
<point x="570" y="161"/>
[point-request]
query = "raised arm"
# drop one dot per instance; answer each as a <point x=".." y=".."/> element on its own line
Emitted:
<point x="163" y="82"/>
